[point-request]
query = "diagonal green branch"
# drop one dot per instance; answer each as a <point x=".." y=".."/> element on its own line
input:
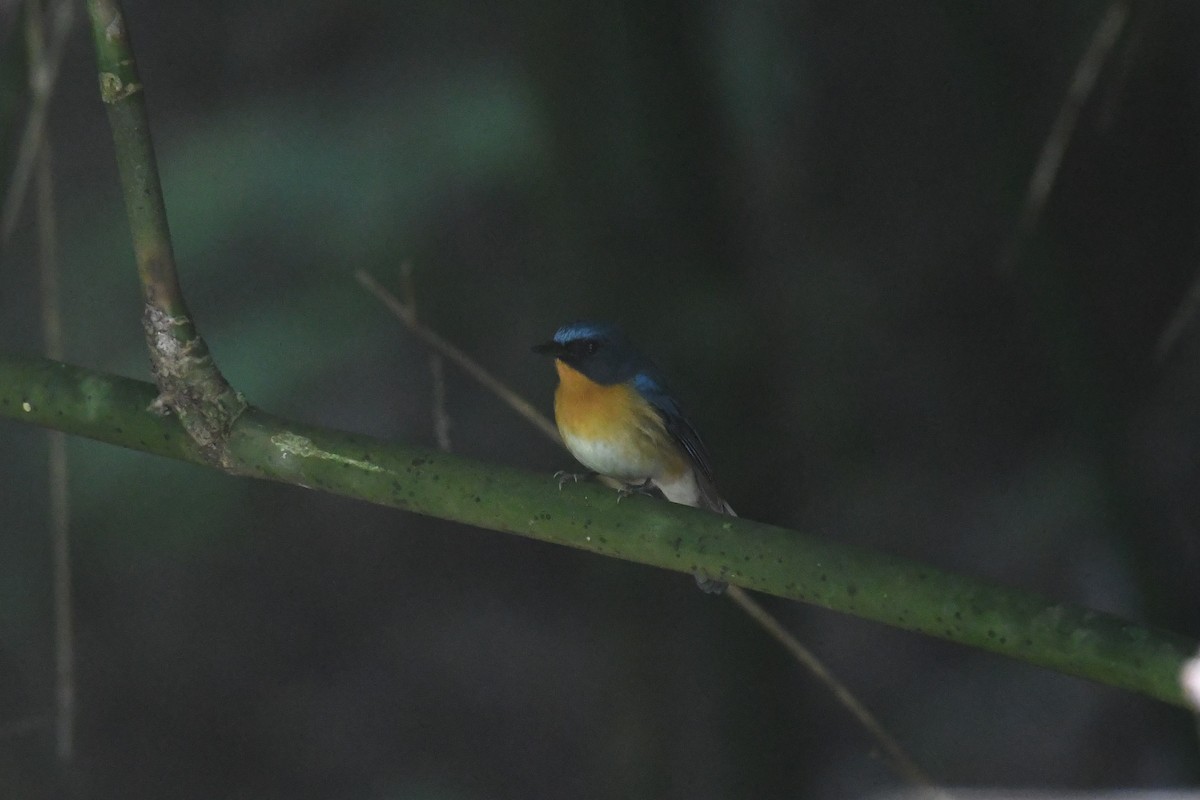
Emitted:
<point x="781" y="562"/>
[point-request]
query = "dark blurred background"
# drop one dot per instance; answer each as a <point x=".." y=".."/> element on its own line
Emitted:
<point x="799" y="209"/>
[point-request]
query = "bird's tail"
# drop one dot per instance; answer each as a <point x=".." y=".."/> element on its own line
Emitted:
<point x="712" y="501"/>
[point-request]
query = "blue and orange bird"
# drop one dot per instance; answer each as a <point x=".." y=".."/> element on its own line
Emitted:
<point x="618" y="419"/>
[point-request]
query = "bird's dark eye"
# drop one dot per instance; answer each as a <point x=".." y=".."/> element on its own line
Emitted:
<point x="583" y="348"/>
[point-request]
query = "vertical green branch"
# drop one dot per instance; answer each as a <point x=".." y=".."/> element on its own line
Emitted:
<point x="189" y="382"/>
<point x="123" y="96"/>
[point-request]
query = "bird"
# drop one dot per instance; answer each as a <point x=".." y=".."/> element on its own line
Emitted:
<point x="617" y="417"/>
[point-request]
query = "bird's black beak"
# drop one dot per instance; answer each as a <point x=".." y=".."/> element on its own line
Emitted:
<point x="548" y="349"/>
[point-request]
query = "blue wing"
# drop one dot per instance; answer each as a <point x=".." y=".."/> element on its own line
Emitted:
<point x="677" y="424"/>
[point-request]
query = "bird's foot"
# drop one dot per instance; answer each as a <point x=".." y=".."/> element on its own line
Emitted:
<point x="562" y="476"/>
<point x="645" y="487"/>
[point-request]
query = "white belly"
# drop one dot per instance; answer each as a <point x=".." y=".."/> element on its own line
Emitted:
<point x="614" y="458"/>
<point x="618" y="460"/>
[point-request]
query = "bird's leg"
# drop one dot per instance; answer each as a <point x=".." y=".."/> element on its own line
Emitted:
<point x="645" y="487"/>
<point x="562" y="476"/>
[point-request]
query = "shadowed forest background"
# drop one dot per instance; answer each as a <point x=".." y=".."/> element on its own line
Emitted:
<point x="799" y="209"/>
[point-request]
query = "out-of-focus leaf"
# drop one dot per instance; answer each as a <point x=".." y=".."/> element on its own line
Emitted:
<point x="272" y="210"/>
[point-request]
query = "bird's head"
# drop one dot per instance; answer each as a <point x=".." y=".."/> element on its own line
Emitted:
<point x="599" y="350"/>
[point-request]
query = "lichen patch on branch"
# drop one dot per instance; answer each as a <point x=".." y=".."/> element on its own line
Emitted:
<point x="291" y="444"/>
<point x="113" y="89"/>
<point x="190" y="385"/>
<point x="114" y="31"/>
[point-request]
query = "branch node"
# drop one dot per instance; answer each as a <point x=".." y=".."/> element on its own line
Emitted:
<point x="190" y="385"/>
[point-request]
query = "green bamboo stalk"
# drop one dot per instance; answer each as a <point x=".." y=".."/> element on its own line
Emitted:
<point x="125" y="101"/>
<point x="765" y="558"/>
<point x="188" y="379"/>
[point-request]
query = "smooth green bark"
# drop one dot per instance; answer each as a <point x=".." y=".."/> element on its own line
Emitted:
<point x="125" y="101"/>
<point x="765" y="558"/>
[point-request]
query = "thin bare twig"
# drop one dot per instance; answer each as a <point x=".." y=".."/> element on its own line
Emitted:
<point x="60" y="502"/>
<point x="1087" y="71"/>
<point x="437" y="367"/>
<point x="464" y="362"/>
<point x="410" y="288"/>
<point x="1121" y="64"/>
<point x="43" y="76"/>
<point x="52" y="334"/>
<point x="904" y="765"/>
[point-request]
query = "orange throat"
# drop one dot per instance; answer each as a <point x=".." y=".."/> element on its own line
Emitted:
<point x="613" y="429"/>
<point x="584" y="408"/>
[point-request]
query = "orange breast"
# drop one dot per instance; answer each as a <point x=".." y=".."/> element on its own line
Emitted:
<point x="612" y="429"/>
<point x="584" y="408"/>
